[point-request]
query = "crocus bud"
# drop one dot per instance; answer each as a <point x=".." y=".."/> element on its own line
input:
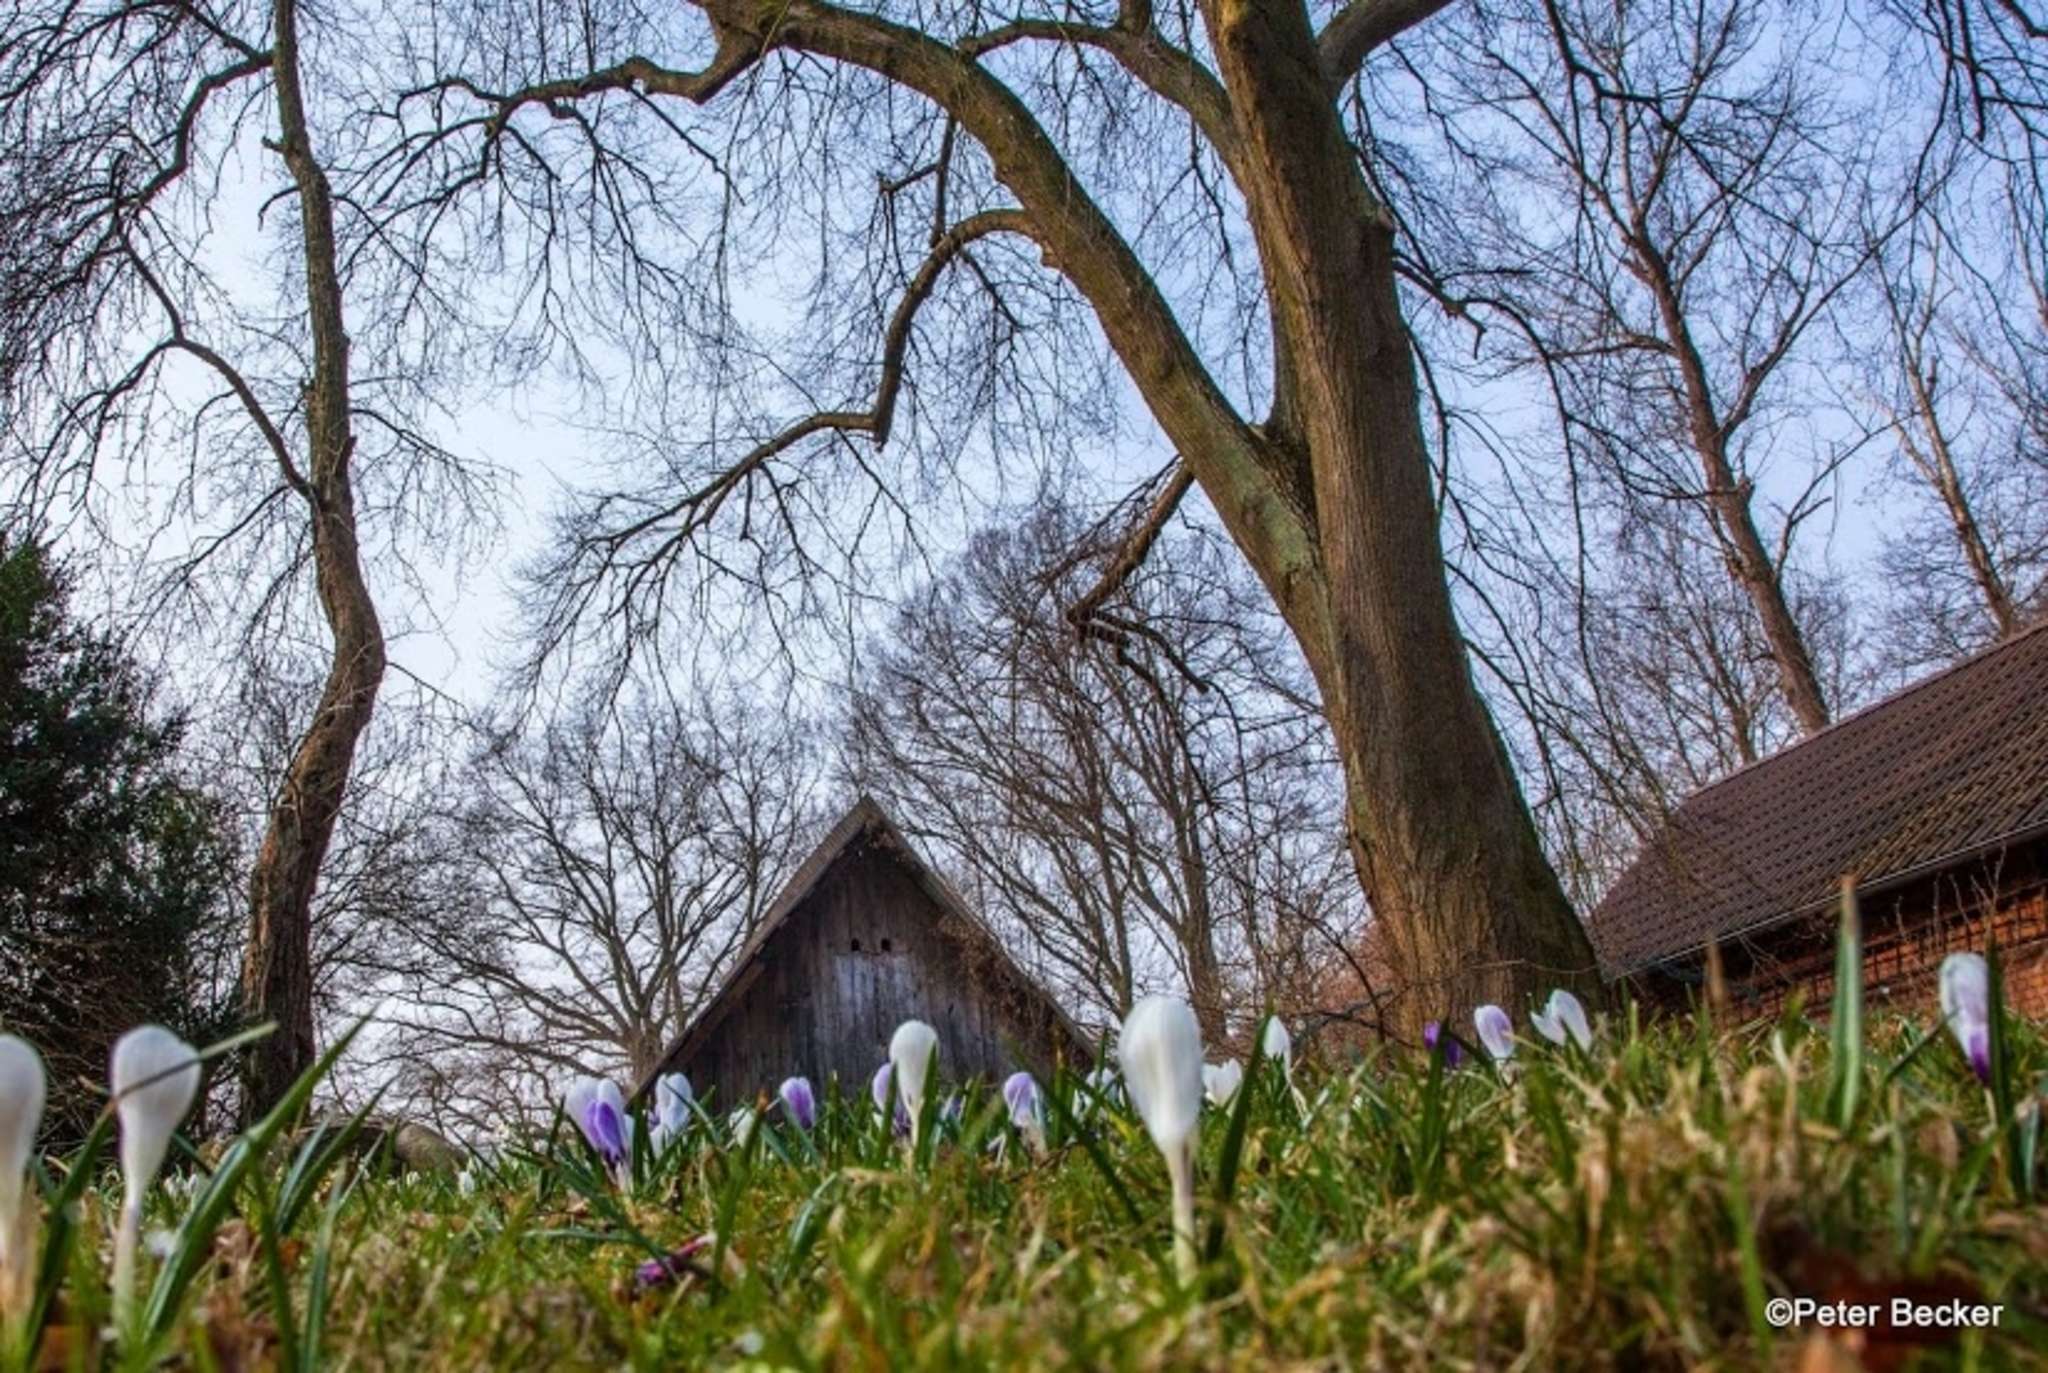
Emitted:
<point x="672" y="1099"/>
<point x="1562" y="1015"/>
<point x="1966" y="1006"/>
<point x="1438" y="1042"/>
<point x="1220" y="1081"/>
<point x="599" y="1111"/>
<point x="742" y="1122"/>
<point x="1027" y="1109"/>
<point x="1020" y="1094"/>
<point x="1278" y="1045"/>
<point x="154" y="1076"/>
<point x="21" y="1111"/>
<point x="798" y="1101"/>
<point x="913" y="1050"/>
<point x="1161" y="1053"/>
<point x="1496" y="1032"/>
<point x="878" y="1088"/>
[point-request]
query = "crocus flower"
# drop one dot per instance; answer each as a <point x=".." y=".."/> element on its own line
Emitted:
<point x="1562" y="1015"/>
<point x="1027" y="1107"/>
<point x="154" y="1076"/>
<point x="1275" y="1043"/>
<point x="600" y="1113"/>
<point x="913" y="1052"/>
<point x="21" y="1111"/>
<point x="741" y="1123"/>
<point x="879" y="1090"/>
<point x="799" y="1103"/>
<point x="1966" y="1006"/>
<point x="672" y="1100"/>
<point x="1161" y="1053"/>
<point x="1496" y="1032"/>
<point x="1220" y="1081"/>
<point x="1433" y="1035"/>
<point x="670" y="1266"/>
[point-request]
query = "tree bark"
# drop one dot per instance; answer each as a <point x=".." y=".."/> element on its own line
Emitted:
<point x="277" y="969"/>
<point x="1447" y="852"/>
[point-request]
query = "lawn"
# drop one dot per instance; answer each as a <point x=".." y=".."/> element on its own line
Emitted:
<point x="1636" y="1205"/>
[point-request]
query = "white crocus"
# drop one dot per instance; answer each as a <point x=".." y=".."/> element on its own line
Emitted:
<point x="1278" y="1045"/>
<point x="913" y="1050"/>
<point x="1220" y="1081"/>
<point x="1563" y="1016"/>
<point x="1161" y="1053"/>
<point x="155" y="1077"/>
<point x="1496" y="1032"/>
<point x="22" y="1091"/>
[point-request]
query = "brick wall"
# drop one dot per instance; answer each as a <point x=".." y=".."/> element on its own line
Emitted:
<point x="1907" y="931"/>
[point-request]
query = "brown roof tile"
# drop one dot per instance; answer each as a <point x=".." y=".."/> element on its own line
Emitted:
<point x="1951" y="766"/>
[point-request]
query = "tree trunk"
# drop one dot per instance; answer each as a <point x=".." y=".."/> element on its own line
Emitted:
<point x="1447" y="852"/>
<point x="1938" y="466"/>
<point x="277" y="969"/>
<point x="1339" y="523"/>
<point x="1728" y="504"/>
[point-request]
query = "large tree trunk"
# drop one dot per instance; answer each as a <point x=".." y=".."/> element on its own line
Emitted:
<point x="1446" y="850"/>
<point x="277" y="969"/>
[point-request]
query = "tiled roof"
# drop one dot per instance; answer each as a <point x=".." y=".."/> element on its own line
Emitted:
<point x="1947" y="769"/>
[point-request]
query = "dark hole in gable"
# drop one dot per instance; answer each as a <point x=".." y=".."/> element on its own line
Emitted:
<point x="887" y="945"/>
<point x="856" y="946"/>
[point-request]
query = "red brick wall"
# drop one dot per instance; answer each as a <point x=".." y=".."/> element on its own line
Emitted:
<point x="1907" y="931"/>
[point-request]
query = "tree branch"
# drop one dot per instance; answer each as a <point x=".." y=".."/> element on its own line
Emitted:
<point x="1362" y="26"/>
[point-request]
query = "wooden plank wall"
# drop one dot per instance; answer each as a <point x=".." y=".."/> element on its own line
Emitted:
<point x="861" y="954"/>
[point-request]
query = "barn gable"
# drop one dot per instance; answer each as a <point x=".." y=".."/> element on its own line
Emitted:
<point x="863" y="937"/>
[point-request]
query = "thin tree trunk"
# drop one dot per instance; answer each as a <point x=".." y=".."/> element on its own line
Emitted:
<point x="277" y="970"/>
<point x="1938" y="466"/>
<point x="1728" y="504"/>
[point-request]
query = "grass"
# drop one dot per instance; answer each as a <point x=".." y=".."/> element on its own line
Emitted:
<point x="1637" y="1206"/>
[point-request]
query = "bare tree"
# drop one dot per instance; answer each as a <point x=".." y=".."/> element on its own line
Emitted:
<point x="578" y="891"/>
<point x="1668" y="204"/>
<point x="1963" y="385"/>
<point x="947" y="158"/>
<point x="1144" y="804"/>
<point x="130" y="335"/>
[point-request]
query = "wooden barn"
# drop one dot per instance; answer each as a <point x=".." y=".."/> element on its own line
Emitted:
<point x="1935" y="799"/>
<point x="865" y="936"/>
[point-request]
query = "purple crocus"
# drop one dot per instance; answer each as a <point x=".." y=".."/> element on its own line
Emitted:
<point x="1020" y="1094"/>
<point x="1027" y="1109"/>
<point x="1433" y="1035"/>
<point x="670" y="1266"/>
<point x="1496" y="1031"/>
<point x="879" y="1090"/>
<point x="798" y="1102"/>
<point x="600" y="1112"/>
<point x="1966" y="1006"/>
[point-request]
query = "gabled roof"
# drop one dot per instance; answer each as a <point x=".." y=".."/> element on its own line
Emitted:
<point x="866" y="821"/>
<point x="1950" y="769"/>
